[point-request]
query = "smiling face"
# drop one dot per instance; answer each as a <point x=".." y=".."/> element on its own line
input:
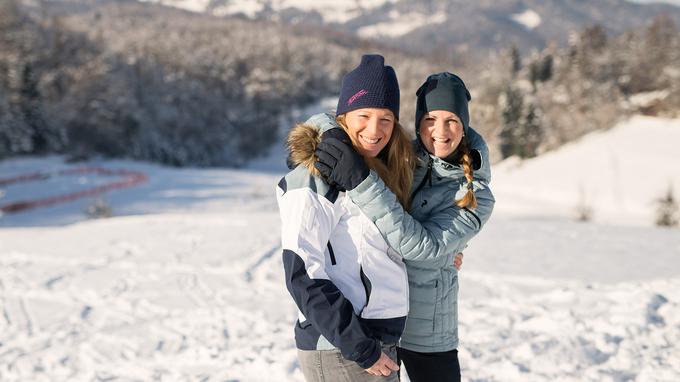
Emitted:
<point x="370" y="129"/>
<point x="441" y="132"/>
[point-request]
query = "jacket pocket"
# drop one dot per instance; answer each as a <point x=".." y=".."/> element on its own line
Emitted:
<point x="422" y="303"/>
<point x="367" y="285"/>
<point x="449" y="313"/>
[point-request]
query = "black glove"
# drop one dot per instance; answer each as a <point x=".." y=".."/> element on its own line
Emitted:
<point x="339" y="162"/>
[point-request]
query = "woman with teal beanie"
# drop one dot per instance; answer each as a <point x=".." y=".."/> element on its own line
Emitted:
<point x="450" y="202"/>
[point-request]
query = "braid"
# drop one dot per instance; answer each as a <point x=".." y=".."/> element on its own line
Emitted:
<point x="469" y="200"/>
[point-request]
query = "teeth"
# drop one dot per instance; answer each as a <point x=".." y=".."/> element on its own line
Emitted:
<point x="371" y="141"/>
<point x="441" y="140"/>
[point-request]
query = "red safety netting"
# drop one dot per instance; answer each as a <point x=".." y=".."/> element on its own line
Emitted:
<point x="130" y="179"/>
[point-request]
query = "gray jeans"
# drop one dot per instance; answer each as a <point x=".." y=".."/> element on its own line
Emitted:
<point x="331" y="366"/>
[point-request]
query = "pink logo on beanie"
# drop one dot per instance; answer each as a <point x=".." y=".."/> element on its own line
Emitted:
<point x="356" y="96"/>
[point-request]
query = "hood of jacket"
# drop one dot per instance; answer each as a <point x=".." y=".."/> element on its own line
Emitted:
<point x="301" y="143"/>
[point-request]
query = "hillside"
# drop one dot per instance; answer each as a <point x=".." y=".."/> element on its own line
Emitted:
<point x="462" y="27"/>
<point x="618" y="173"/>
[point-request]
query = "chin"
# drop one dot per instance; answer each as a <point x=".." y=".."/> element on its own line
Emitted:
<point x="370" y="153"/>
<point x="443" y="154"/>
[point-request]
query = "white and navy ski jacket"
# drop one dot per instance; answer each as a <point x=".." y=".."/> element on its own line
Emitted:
<point x="350" y="287"/>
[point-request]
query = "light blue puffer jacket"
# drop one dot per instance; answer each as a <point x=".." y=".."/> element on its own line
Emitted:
<point x="428" y="236"/>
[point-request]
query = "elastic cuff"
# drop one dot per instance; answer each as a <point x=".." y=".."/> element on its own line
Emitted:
<point x="364" y="185"/>
<point x="372" y="358"/>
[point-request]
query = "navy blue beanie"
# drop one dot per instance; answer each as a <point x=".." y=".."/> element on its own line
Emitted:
<point x="443" y="91"/>
<point x="370" y="85"/>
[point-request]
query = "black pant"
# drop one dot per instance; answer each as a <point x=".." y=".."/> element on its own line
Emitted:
<point x="430" y="367"/>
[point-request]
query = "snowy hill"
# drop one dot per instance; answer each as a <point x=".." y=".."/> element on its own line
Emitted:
<point x="188" y="285"/>
<point x="618" y="173"/>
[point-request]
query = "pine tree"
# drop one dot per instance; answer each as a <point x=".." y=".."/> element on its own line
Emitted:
<point x="512" y="122"/>
<point x="531" y="133"/>
<point x="515" y="60"/>
<point x="31" y="109"/>
<point x="541" y="70"/>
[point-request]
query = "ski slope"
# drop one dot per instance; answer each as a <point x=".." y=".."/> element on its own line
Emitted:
<point x="184" y="283"/>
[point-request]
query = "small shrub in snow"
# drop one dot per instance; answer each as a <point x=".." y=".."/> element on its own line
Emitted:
<point x="99" y="208"/>
<point x="667" y="211"/>
<point x="584" y="212"/>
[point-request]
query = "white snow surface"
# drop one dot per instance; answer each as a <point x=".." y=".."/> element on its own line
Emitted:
<point x="620" y="172"/>
<point x="198" y="6"/>
<point x="185" y="283"/>
<point x="400" y="24"/>
<point x="332" y="11"/>
<point x="247" y="8"/>
<point x="529" y="19"/>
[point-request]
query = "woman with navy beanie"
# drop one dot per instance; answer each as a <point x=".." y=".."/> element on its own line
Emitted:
<point x="350" y="287"/>
<point x="448" y="204"/>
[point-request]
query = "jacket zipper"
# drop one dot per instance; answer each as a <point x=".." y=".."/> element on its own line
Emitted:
<point x="437" y="296"/>
<point x="332" y="254"/>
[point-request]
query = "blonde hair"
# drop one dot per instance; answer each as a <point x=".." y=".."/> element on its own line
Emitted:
<point x="396" y="170"/>
<point x="469" y="200"/>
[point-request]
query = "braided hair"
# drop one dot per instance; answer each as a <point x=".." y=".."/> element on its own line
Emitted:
<point x="469" y="200"/>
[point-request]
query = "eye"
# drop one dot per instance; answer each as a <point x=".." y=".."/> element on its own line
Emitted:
<point x="363" y="116"/>
<point x="386" y="120"/>
<point x="428" y="118"/>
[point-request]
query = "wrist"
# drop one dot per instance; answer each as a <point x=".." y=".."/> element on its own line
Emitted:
<point x="371" y="358"/>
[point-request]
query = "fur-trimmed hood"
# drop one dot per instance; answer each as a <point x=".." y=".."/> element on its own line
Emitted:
<point x="301" y="144"/>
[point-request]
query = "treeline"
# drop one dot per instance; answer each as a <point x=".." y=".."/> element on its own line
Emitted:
<point x="145" y="82"/>
<point x="557" y="95"/>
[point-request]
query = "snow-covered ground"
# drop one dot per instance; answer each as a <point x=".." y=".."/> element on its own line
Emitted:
<point x="619" y="174"/>
<point x="185" y="282"/>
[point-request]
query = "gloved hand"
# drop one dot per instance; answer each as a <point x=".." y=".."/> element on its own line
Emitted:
<point x="339" y="162"/>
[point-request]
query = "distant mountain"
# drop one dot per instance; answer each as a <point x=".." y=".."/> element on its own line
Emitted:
<point x="458" y="25"/>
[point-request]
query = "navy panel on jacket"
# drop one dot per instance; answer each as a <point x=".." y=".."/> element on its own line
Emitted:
<point x="329" y="313"/>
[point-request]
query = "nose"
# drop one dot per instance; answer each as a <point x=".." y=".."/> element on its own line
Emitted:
<point x="440" y="126"/>
<point x="373" y="126"/>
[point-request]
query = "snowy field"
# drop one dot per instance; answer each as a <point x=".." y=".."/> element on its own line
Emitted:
<point x="184" y="283"/>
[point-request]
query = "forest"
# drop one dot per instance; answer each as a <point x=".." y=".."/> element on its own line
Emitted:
<point x="147" y="82"/>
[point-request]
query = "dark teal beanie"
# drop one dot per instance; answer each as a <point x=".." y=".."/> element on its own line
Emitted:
<point x="443" y="91"/>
